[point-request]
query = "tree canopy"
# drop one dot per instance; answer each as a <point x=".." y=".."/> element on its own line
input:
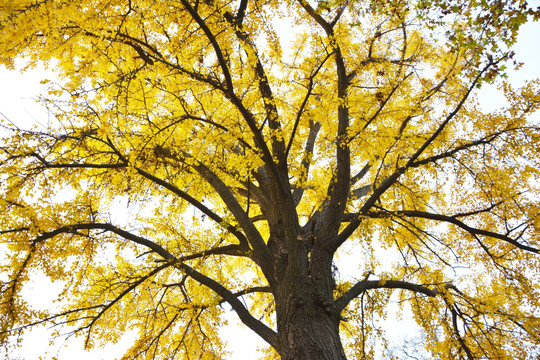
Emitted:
<point x="210" y="154"/>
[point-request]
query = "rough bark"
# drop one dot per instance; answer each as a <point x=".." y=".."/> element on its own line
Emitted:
<point x="308" y="326"/>
<point x="309" y="333"/>
<point x="307" y="318"/>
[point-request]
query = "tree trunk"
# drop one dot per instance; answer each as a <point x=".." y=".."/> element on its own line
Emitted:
<point x="310" y="335"/>
<point x="307" y="320"/>
<point x="303" y="288"/>
<point x="308" y="331"/>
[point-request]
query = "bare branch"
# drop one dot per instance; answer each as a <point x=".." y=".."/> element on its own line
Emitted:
<point x="361" y="191"/>
<point x="360" y="174"/>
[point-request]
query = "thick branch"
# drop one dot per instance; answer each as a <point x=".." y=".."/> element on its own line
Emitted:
<point x="257" y="326"/>
<point x="205" y="210"/>
<point x="227" y="88"/>
<point x="210" y="36"/>
<point x="241" y="11"/>
<point x="340" y="12"/>
<point x="264" y="331"/>
<point x="255" y="289"/>
<point x="234" y="250"/>
<point x="364" y="285"/>
<point x="361" y="191"/>
<point x="182" y="194"/>
<point x="360" y="174"/>
<point x="262" y="254"/>
<point x="328" y="28"/>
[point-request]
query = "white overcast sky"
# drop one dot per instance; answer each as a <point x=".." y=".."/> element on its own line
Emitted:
<point x="18" y="92"/>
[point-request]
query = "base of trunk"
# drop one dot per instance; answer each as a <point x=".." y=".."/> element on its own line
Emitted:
<point x="312" y="336"/>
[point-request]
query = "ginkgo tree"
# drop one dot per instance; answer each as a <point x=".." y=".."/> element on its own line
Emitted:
<point x="252" y="142"/>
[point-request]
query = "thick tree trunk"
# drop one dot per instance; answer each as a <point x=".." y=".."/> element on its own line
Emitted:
<point x="310" y="334"/>
<point x="303" y="287"/>
<point x="307" y="320"/>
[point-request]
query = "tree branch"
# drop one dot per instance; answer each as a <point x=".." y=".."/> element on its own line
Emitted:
<point x="234" y="250"/>
<point x="450" y="116"/>
<point x="328" y="28"/>
<point x="268" y="335"/>
<point x="306" y="161"/>
<point x="361" y="191"/>
<point x="340" y="12"/>
<point x="360" y="174"/>
<point x="165" y="254"/>
<point x="255" y="289"/>
<point x="305" y="101"/>
<point x="260" y="328"/>
<point x="453" y="220"/>
<point x="343" y="301"/>
<point x="49" y="165"/>
<point x="205" y="210"/>
<point x="456" y="332"/>
<point x="109" y="305"/>
<point x="182" y="194"/>
<point x="482" y="141"/>
<point x="262" y="254"/>
<point x="272" y="116"/>
<point x="338" y="189"/>
<point x="213" y="41"/>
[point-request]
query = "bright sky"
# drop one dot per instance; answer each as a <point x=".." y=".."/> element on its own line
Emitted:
<point x="17" y="103"/>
